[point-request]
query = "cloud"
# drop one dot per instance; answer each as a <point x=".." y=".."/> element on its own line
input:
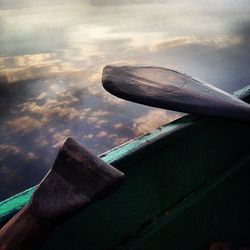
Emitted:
<point x="24" y="124"/>
<point x="222" y="60"/>
<point x="61" y="108"/>
<point x="153" y="119"/>
<point x="55" y="72"/>
<point x="216" y="42"/>
<point x="19" y="168"/>
<point x="41" y="141"/>
<point x="9" y="150"/>
<point x="59" y="137"/>
<point x="101" y="134"/>
<point x="29" y="67"/>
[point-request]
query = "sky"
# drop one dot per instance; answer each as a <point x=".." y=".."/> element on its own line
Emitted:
<point x="51" y="60"/>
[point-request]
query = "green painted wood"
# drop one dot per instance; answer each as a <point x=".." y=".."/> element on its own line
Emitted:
<point x="162" y="168"/>
<point x="121" y="153"/>
<point x="13" y="204"/>
<point x="218" y="210"/>
<point x="116" y="156"/>
<point x="154" y="183"/>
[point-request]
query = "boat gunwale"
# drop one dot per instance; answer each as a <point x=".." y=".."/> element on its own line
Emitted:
<point x="13" y="204"/>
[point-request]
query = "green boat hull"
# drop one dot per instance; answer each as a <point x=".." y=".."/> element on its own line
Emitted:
<point x="187" y="185"/>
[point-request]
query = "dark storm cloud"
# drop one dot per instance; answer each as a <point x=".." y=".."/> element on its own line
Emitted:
<point x="14" y="162"/>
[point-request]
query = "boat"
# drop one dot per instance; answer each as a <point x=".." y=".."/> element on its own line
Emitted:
<point x="186" y="187"/>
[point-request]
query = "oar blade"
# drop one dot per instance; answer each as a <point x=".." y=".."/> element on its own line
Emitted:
<point x="169" y="89"/>
<point x="76" y="179"/>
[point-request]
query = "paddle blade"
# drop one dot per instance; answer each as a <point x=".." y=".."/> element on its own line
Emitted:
<point x="169" y="89"/>
<point x="76" y="179"/>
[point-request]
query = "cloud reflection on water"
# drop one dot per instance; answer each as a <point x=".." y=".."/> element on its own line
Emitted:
<point x="50" y="71"/>
<point x="62" y="106"/>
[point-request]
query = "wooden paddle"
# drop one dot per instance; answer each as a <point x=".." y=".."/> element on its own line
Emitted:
<point x="76" y="179"/>
<point x="169" y="89"/>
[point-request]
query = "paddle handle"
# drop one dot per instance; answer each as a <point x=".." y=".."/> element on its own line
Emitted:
<point x="23" y="231"/>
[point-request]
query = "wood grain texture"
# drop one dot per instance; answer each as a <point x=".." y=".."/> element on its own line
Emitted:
<point x="76" y="179"/>
<point x="169" y="89"/>
<point x="157" y="177"/>
<point x="162" y="168"/>
<point x="24" y="231"/>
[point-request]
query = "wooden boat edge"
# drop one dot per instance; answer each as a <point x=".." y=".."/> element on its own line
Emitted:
<point x="13" y="204"/>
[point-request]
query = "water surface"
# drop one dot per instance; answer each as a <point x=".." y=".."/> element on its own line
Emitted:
<point x="51" y="60"/>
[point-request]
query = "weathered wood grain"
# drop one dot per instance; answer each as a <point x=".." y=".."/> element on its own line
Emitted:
<point x="161" y="169"/>
<point x="169" y="89"/>
<point x="76" y="179"/>
<point x="157" y="177"/>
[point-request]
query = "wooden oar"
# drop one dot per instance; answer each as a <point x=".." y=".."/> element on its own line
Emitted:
<point x="169" y="89"/>
<point x="76" y="179"/>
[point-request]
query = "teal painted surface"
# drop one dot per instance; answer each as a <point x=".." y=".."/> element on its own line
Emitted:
<point x="162" y="168"/>
<point x="158" y="177"/>
<point x="13" y="204"/>
<point x="154" y="182"/>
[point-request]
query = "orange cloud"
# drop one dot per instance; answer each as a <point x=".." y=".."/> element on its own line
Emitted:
<point x="152" y="120"/>
<point x="54" y="108"/>
<point x="24" y="124"/>
<point x="59" y="137"/>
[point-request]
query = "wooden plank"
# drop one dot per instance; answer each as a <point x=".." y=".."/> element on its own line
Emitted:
<point x="157" y="178"/>
<point x="120" y="155"/>
<point x="76" y="179"/>
<point x="13" y="204"/>
<point x="154" y="182"/>
<point x="218" y="210"/>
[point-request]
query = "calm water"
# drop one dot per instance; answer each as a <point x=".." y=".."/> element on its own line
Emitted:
<point x="51" y="59"/>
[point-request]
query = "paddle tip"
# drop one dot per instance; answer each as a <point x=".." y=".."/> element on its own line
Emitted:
<point x="77" y="178"/>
